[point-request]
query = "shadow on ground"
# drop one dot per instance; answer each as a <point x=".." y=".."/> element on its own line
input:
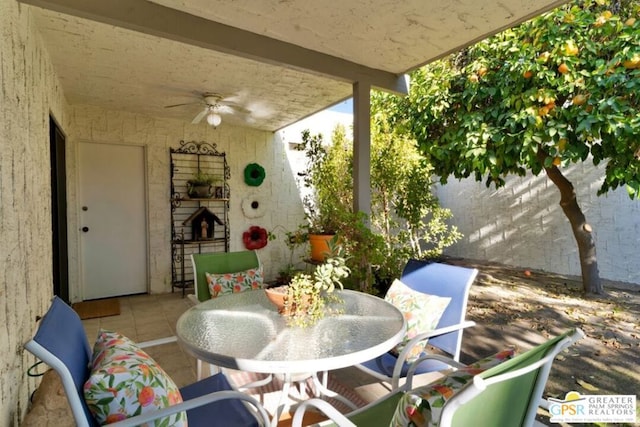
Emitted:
<point x="511" y="306"/>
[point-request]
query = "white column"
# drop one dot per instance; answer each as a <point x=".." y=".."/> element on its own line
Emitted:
<point x="362" y="147"/>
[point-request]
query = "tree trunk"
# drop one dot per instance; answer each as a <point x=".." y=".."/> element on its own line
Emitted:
<point x="582" y="231"/>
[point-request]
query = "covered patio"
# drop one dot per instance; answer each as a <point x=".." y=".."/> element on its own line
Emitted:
<point x="104" y="72"/>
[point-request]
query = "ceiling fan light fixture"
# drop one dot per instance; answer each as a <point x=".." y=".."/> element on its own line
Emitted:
<point x="214" y="119"/>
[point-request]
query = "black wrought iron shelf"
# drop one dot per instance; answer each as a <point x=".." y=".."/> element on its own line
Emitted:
<point x="190" y="199"/>
<point x="199" y="242"/>
<point x="198" y="224"/>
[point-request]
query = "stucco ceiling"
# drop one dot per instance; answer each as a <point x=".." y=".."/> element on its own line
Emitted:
<point x="280" y="59"/>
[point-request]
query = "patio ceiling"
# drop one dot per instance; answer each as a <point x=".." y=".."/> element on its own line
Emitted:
<point x="281" y="60"/>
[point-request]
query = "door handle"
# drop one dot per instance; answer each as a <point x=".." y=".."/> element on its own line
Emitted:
<point x="85" y="229"/>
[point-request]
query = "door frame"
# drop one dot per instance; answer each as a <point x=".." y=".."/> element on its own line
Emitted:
<point x="145" y="172"/>
<point x="59" y="217"/>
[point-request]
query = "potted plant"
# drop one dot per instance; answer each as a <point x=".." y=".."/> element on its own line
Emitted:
<point x="304" y="300"/>
<point x="322" y="209"/>
<point x="199" y="186"/>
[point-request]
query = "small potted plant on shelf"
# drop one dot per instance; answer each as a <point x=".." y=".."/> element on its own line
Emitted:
<point x="304" y="301"/>
<point x="199" y="186"/>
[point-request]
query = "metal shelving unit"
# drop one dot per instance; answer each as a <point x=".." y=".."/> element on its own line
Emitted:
<point x="198" y="224"/>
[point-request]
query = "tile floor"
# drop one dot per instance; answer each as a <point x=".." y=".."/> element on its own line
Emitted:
<point x="148" y="317"/>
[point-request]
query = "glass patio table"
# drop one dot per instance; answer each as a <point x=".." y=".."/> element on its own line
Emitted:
<point x="244" y="331"/>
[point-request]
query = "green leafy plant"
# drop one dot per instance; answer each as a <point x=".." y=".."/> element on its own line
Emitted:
<point x="321" y="209"/>
<point x="199" y="185"/>
<point x="202" y="178"/>
<point x="406" y="220"/>
<point x="559" y="89"/>
<point x="293" y="240"/>
<point x="308" y="295"/>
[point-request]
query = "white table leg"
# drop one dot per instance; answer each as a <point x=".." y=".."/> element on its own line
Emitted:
<point x="322" y="389"/>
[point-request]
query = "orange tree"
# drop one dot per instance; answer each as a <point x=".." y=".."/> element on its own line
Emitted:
<point x="559" y="89"/>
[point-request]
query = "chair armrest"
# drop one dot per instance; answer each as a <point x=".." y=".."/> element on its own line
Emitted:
<point x="159" y="341"/>
<point x="323" y="406"/>
<point x="436" y="332"/>
<point x="414" y="365"/>
<point x="194" y="403"/>
<point x="402" y="357"/>
<point x="446" y="330"/>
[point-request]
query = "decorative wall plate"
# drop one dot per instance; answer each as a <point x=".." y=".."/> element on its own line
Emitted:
<point x="252" y="206"/>
<point x="255" y="238"/>
<point x="254" y="174"/>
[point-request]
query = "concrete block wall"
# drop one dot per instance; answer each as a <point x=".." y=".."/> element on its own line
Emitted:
<point x="29" y="92"/>
<point x="523" y="225"/>
<point x="278" y="193"/>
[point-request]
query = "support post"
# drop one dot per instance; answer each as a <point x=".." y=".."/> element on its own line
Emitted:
<point x="362" y="147"/>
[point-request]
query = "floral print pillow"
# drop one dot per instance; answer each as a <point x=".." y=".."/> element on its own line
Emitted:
<point x="422" y="406"/>
<point x="421" y="311"/>
<point x="125" y="382"/>
<point x="227" y="283"/>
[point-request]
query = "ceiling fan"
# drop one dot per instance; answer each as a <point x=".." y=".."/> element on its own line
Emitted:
<point x="214" y="105"/>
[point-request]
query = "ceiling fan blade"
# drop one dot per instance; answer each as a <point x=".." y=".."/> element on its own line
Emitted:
<point x="236" y="107"/>
<point x="200" y="116"/>
<point x="180" y="105"/>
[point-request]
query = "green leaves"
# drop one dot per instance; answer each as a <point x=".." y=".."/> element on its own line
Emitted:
<point x="572" y="74"/>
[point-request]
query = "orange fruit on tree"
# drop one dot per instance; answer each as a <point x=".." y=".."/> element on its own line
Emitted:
<point x="543" y="111"/>
<point x="563" y="68"/>
<point x="629" y="22"/>
<point x="570" y="48"/>
<point x="632" y="63"/>
<point x="579" y="99"/>
<point x="562" y="144"/>
<point x="527" y="74"/>
<point x="556" y="161"/>
<point x="473" y="78"/>
<point x="482" y="71"/>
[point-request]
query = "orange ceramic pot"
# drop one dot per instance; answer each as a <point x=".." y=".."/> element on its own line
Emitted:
<point x="276" y="296"/>
<point x="320" y="246"/>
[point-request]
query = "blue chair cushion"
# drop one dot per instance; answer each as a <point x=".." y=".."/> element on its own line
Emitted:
<point x="216" y="414"/>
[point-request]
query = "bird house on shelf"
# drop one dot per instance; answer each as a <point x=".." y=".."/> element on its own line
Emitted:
<point x="202" y="224"/>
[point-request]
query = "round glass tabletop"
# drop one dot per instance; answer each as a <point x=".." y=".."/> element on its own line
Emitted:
<point x="244" y="331"/>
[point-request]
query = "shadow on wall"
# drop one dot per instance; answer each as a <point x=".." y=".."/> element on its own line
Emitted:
<point x="522" y="223"/>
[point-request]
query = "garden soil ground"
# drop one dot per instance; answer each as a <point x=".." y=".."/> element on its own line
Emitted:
<point x="514" y="307"/>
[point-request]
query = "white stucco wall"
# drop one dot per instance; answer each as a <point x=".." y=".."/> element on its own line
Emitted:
<point x="29" y="91"/>
<point x="242" y="146"/>
<point x="523" y="225"/>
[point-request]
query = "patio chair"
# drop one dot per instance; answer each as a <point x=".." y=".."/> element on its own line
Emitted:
<point x="61" y="343"/>
<point x="507" y="394"/>
<point x="218" y="263"/>
<point x="441" y="280"/>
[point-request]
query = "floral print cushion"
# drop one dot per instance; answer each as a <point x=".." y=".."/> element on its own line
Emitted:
<point x="421" y="311"/>
<point x="125" y="382"/>
<point x="423" y="405"/>
<point x="227" y="283"/>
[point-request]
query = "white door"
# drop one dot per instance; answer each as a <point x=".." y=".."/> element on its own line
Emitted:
<point x="112" y="220"/>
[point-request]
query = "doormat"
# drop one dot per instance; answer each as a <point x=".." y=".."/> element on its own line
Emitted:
<point x="269" y="394"/>
<point x="97" y="308"/>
